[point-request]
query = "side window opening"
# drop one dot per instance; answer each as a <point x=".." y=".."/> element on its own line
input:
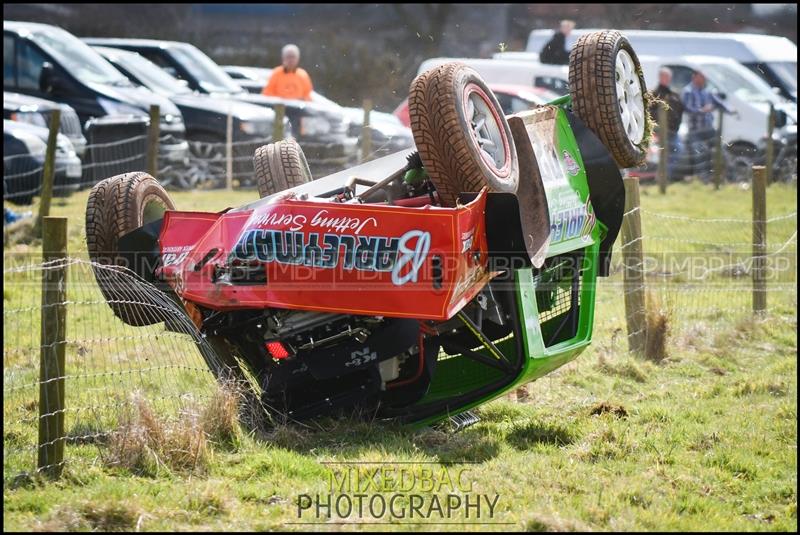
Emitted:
<point x="29" y="66"/>
<point x="9" y="65"/>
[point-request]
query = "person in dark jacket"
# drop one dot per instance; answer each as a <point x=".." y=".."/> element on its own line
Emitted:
<point x="555" y="51"/>
<point x="674" y="106"/>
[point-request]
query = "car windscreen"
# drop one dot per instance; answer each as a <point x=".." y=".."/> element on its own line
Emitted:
<point x="740" y="82"/>
<point x="150" y="74"/>
<point x="209" y="75"/>
<point x="787" y="72"/>
<point x="78" y="58"/>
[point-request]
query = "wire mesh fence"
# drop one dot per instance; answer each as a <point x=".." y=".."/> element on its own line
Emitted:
<point x="108" y="364"/>
<point x="701" y="271"/>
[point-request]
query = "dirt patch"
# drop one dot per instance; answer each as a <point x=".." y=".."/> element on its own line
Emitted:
<point x="604" y="407"/>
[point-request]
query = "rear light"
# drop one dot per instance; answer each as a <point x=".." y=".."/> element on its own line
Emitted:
<point x="277" y="350"/>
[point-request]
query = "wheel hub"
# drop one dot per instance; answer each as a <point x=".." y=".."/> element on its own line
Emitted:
<point x="486" y="132"/>
<point x="630" y="97"/>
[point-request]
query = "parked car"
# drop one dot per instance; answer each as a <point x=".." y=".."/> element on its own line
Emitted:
<point x="24" y="147"/>
<point x="742" y="91"/>
<point x="206" y="120"/>
<point x="528" y="73"/>
<point x="252" y="79"/>
<point x="512" y="99"/>
<point x="47" y="62"/>
<point x="321" y="130"/>
<point x="37" y="111"/>
<point x="772" y="57"/>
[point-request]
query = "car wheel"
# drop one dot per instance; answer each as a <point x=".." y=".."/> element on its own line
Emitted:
<point x="280" y="166"/>
<point x="608" y="94"/>
<point x="116" y="206"/>
<point x="461" y="133"/>
<point x="739" y="160"/>
<point x="207" y="164"/>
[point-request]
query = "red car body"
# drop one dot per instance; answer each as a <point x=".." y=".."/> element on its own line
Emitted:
<point x="395" y="261"/>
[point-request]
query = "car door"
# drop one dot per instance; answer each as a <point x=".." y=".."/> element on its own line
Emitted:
<point x="26" y="69"/>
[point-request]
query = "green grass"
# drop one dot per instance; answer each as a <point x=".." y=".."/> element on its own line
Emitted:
<point x="704" y="440"/>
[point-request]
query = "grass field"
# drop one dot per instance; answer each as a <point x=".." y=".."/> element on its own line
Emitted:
<point x="705" y="439"/>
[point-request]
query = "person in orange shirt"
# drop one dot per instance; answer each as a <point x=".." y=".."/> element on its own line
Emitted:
<point x="288" y="80"/>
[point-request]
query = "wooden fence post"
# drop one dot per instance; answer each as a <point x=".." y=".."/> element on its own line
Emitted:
<point x="229" y="151"/>
<point x="759" y="239"/>
<point x="633" y="261"/>
<point x="49" y="170"/>
<point x="366" y="133"/>
<point x="277" y="128"/>
<point x="770" y="151"/>
<point x="153" y="133"/>
<point x="50" y="455"/>
<point x="663" y="157"/>
<point x="719" y="159"/>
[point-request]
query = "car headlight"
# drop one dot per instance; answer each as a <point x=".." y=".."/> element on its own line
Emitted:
<point x="171" y="123"/>
<point x="30" y="117"/>
<point x="314" y="126"/>
<point x="254" y="128"/>
<point x="64" y="145"/>
<point x="112" y="107"/>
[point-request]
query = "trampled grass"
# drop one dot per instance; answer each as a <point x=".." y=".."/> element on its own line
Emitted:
<point x="704" y="439"/>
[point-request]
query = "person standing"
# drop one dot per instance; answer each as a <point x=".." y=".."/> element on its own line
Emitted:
<point x="672" y="101"/>
<point x="699" y="105"/>
<point x="555" y="51"/>
<point x="288" y="80"/>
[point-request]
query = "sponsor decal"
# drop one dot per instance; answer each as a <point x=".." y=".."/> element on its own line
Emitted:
<point x="403" y="256"/>
<point x="572" y="166"/>
<point x="170" y="259"/>
<point x="320" y="220"/>
<point x="361" y="356"/>
<point x="467" y="239"/>
<point x="572" y="223"/>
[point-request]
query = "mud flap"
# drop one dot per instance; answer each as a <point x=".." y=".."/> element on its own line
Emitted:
<point x="606" y="188"/>
<point x="534" y="214"/>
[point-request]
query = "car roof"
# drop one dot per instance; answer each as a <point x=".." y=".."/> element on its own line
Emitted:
<point x="532" y="67"/>
<point x="18" y="100"/>
<point x="19" y="26"/>
<point x="745" y="47"/>
<point x="147" y="43"/>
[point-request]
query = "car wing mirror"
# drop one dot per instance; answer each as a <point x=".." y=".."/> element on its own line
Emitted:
<point x="49" y="80"/>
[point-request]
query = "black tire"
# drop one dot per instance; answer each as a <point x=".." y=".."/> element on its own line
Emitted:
<point x="454" y="158"/>
<point x="116" y="206"/>
<point x="593" y="88"/>
<point x="280" y="166"/>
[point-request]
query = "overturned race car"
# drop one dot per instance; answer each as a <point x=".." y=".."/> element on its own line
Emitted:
<point x="415" y="286"/>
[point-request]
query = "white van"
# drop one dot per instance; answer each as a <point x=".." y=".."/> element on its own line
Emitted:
<point x="552" y="77"/>
<point x="771" y="57"/>
<point x="741" y="90"/>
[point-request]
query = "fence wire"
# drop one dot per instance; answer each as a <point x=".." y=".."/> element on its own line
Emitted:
<point x="700" y="270"/>
<point x="107" y="362"/>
